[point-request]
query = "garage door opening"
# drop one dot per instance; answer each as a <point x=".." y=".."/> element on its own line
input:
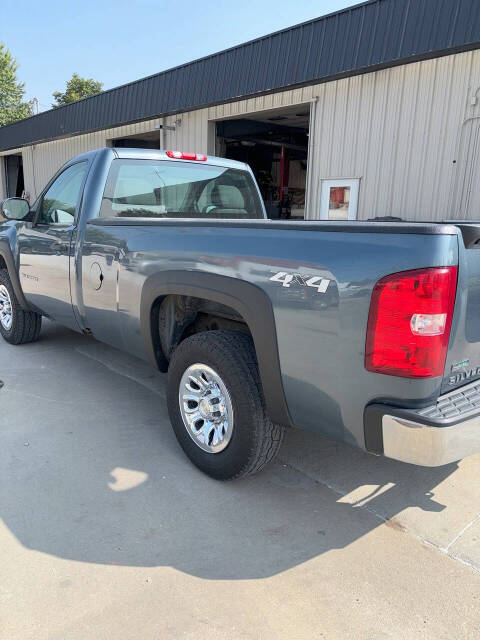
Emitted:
<point x="147" y="140"/>
<point x="275" y="145"/>
<point x="14" y="175"/>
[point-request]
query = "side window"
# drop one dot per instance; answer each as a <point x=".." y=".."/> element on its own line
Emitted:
<point x="60" y="202"/>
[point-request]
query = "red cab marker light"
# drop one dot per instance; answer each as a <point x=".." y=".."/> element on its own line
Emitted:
<point x="185" y="155"/>
<point x="409" y="322"/>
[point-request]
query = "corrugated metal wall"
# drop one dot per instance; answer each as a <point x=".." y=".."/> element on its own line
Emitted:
<point x="42" y="160"/>
<point x="402" y="131"/>
<point x="374" y="34"/>
<point x="399" y="131"/>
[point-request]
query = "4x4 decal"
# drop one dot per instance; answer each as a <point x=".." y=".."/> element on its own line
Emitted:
<point x="287" y="279"/>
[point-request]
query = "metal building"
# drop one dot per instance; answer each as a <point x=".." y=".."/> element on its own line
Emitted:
<point x="368" y="112"/>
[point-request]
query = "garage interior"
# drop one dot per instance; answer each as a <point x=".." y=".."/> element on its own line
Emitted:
<point x="13" y="165"/>
<point x="275" y="145"/>
<point x="147" y="140"/>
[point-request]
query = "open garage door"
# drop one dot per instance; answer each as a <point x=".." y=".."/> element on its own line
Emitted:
<point x="275" y="145"/>
<point x="146" y="140"/>
<point x="14" y="175"/>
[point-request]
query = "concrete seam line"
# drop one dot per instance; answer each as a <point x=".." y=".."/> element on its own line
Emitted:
<point x="465" y="528"/>
<point x="425" y="541"/>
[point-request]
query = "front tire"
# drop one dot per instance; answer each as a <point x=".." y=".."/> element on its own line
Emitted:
<point x="216" y="405"/>
<point x="16" y="325"/>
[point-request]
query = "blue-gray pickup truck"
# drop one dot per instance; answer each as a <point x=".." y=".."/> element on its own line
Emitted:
<point x="365" y="332"/>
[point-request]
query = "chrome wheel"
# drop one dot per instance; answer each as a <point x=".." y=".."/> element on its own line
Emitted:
<point x="206" y="408"/>
<point x="6" y="313"/>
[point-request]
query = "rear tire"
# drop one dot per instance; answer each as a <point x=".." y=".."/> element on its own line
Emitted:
<point x="18" y="326"/>
<point x="245" y="439"/>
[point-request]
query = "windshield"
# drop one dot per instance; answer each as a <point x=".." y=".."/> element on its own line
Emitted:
<point x="164" y="189"/>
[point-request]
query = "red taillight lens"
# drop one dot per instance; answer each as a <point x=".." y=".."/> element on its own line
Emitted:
<point x="409" y="323"/>
<point x="185" y="155"/>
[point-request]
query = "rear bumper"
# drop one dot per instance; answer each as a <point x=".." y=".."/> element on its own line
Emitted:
<point x="443" y="433"/>
<point x="429" y="446"/>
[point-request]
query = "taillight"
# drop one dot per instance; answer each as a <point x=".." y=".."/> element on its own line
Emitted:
<point x="409" y="322"/>
<point x="185" y="155"/>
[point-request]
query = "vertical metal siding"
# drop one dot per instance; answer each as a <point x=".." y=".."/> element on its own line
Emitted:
<point x="403" y="131"/>
<point x="375" y="34"/>
<point x="397" y="130"/>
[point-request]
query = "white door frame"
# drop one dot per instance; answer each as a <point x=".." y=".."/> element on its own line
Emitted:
<point x="353" y="183"/>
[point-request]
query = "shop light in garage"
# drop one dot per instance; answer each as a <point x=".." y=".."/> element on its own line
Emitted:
<point x="185" y="155"/>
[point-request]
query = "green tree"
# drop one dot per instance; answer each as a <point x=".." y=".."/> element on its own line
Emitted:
<point x="12" y="105"/>
<point x="76" y="89"/>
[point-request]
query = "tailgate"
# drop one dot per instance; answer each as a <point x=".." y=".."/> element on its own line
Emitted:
<point x="463" y="359"/>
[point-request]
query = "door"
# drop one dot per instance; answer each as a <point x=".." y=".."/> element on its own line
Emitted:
<point x="46" y="249"/>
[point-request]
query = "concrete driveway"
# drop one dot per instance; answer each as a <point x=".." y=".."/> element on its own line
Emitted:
<point x="107" y="531"/>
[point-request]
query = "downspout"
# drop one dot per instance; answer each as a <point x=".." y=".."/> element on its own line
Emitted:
<point x="311" y="146"/>
<point x="33" y="173"/>
<point x="3" y="178"/>
<point x="162" y="134"/>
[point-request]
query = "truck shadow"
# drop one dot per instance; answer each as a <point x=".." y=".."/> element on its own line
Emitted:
<point x="91" y="472"/>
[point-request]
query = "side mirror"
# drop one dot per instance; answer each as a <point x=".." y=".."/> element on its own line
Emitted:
<point x="15" y="208"/>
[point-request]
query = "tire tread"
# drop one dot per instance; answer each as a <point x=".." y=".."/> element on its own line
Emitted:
<point x="26" y="325"/>
<point x="238" y="357"/>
